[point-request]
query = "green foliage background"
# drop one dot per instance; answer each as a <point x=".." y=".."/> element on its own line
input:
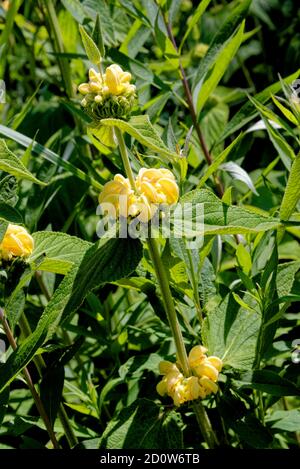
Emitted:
<point x="87" y="313"/>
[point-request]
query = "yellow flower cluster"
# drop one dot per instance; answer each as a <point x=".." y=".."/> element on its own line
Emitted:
<point x="203" y="382"/>
<point x="109" y="94"/>
<point x="16" y="242"/>
<point x="153" y="187"/>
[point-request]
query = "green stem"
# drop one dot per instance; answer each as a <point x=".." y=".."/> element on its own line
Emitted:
<point x="59" y="46"/>
<point x="194" y="282"/>
<point x="36" y="397"/>
<point x="163" y="281"/>
<point x="162" y="277"/>
<point x="124" y="156"/>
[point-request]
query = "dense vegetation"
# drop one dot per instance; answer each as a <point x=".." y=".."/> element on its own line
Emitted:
<point x="96" y="334"/>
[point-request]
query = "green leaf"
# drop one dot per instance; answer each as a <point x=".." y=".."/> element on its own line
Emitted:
<point x="56" y="252"/>
<point x="8" y="190"/>
<point x="248" y="111"/>
<point x="244" y="259"/>
<point x="10" y="214"/>
<point x="269" y="382"/>
<point x="208" y="78"/>
<point x="231" y="333"/>
<point x="90" y="47"/>
<point x="292" y="191"/>
<point x="285" y="420"/>
<point x="12" y="165"/>
<point x="285" y="111"/>
<point x="286" y="277"/>
<point x="105" y="261"/>
<point x="51" y="389"/>
<point x="220" y="218"/>
<point x="143" y="425"/>
<point x="142" y="130"/>
<point x="98" y="37"/>
<point x="48" y="155"/>
<point x="218" y="161"/>
<point x="194" y="20"/>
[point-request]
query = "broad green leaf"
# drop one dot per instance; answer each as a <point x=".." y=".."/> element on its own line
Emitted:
<point x="248" y="111"/>
<point x="49" y="155"/>
<point x="90" y="47"/>
<point x="269" y="382"/>
<point x="218" y="161"/>
<point x="231" y="332"/>
<point x="194" y="20"/>
<point x="286" y="277"/>
<point x="142" y="130"/>
<point x="292" y="191"/>
<point x="58" y="251"/>
<point x="220" y="218"/>
<point x="209" y="79"/>
<point x="143" y="425"/>
<point x="285" y="420"/>
<point x="10" y="214"/>
<point x="12" y="165"/>
<point x="105" y="261"/>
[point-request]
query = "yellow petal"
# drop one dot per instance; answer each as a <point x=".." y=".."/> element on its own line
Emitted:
<point x="216" y="362"/>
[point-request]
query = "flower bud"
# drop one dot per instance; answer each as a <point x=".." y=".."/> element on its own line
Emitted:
<point x="16" y="242"/>
<point x="197" y="355"/>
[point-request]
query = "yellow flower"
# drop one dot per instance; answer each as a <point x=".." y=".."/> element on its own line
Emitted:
<point x="197" y="355"/>
<point x="117" y="196"/>
<point x="16" y="242"/>
<point x="200" y="385"/>
<point x="117" y="81"/>
<point x="154" y="187"/>
<point x="158" y="185"/>
<point x="108" y="95"/>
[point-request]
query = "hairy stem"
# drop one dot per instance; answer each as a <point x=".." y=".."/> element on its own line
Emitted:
<point x="163" y="281"/>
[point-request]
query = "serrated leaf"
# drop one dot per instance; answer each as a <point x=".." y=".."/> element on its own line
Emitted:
<point x="90" y="47"/>
<point x="105" y="261"/>
<point x="292" y="191"/>
<point x="8" y="190"/>
<point x="142" y="130"/>
<point x="12" y="165"/>
<point x="220" y="218"/>
<point x="58" y="251"/>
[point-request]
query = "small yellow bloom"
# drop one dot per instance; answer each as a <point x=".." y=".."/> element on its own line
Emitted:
<point x="158" y="185"/>
<point x="206" y="369"/>
<point x="16" y="242"/>
<point x="117" y="196"/>
<point x="208" y="385"/>
<point x="197" y="355"/>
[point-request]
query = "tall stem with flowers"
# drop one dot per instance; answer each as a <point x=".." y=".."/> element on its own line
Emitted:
<point x="194" y="376"/>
